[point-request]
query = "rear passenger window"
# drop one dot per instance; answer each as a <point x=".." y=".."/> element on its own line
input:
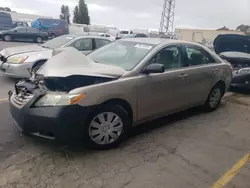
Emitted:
<point x="197" y="56"/>
<point x="83" y="44"/>
<point x="101" y="42"/>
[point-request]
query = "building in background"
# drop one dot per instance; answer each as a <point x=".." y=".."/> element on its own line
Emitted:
<point x="205" y="37"/>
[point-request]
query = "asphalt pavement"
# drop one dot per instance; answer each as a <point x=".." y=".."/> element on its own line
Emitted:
<point x="189" y="149"/>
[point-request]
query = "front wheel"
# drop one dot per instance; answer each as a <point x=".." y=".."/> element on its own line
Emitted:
<point x="53" y="36"/>
<point x="214" y="98"/>
<point x="107" y="127"/>
<point x="7" y="38"/>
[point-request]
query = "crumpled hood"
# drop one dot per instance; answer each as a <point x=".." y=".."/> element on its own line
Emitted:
<point x="72" y="62"/>
<point x="22" y="49"/>
<point x="232" y="42"/>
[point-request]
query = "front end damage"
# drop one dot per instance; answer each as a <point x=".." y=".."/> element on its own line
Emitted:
<point x="44" y="106"/>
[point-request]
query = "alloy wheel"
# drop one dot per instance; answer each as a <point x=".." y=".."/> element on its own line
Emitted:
<point x="215" y="97"/>
<point x="7" y="38"/>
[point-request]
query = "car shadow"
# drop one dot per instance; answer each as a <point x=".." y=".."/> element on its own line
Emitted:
<point x="140" y="129"/>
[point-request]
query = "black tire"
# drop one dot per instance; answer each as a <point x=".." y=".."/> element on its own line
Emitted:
<point x="53" y="35"/>
<point x="7" y="38"/>
<point x="39" y="39"/>
<point x="211" y="104"/>
<point x="117" y="110"/>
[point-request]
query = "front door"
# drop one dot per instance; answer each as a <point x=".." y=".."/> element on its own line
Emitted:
<point x="20" y="34"/>
<point x="162" y="93"/>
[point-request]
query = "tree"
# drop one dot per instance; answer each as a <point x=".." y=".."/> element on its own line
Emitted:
<point x="76" y="15"/>
<point x="81" y="13"/>
<point x="223" y="29"/>
<point x="65" y="15"/>
<point x="243" y="28"/>
<point x="7" y="9"/>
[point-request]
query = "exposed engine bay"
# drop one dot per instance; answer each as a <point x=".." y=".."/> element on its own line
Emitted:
<point x="66" y="84"/>
<point x="60" y="84"/>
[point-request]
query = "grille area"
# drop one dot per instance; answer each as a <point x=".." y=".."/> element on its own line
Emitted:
<point x="22" y="98"/>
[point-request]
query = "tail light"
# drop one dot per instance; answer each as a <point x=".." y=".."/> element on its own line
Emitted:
<point x="59" y="31"/>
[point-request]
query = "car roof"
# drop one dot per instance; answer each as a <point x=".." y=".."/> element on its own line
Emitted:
<point x="157" y="41"/>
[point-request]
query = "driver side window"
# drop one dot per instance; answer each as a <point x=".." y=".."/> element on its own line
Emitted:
<point x="170" y="57"/>
<point x="84" y="44"/>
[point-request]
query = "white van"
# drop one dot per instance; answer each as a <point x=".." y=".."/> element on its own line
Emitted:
<point x="125" y="33"/>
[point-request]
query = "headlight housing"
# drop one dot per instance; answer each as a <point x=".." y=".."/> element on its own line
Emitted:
<point x="59" y="99"/>
<point x="244" y="71"/>
<point x="17" y="59"/>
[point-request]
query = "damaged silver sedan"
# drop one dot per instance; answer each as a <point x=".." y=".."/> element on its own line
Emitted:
<point x="98" y="98"/>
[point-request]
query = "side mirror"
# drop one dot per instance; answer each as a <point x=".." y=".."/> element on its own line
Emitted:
<point x="154" y="68"/>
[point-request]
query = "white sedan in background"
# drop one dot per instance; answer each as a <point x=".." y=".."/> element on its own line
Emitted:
<point x="23" y="60"/>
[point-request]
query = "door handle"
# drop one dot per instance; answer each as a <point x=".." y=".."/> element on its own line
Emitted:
<point x="183" y="75"/>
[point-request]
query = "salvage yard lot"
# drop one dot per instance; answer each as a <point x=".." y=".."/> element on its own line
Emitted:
<point x="189" y="149"/>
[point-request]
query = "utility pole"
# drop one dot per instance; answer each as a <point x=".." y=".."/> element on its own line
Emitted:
<point x="167" y="18"/>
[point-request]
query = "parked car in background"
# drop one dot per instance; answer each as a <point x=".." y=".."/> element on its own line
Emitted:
<point x="23" y="60"/>
<point x="19" y="24"/>
<point x="138" y="35"/>
<point x="125" y="33"/>
<point x="5" y="21"/>
<point x="98" y="98"/>
<point x="106" y="35"/>
<point x="24" y="34"/>
<point x="54" y="27"/>
<point x="235" y="49"/>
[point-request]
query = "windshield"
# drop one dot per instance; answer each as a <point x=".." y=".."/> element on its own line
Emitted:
<point x="58" y="42"/>
<point x="124" y="54"/>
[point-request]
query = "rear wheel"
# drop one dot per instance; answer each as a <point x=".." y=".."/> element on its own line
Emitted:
<point x="39" y="39"/>
<point x="107" y="127"/>
<point x="214" y="97"/>
<point x="52" y="35"/>
<point x="7" y="38"/>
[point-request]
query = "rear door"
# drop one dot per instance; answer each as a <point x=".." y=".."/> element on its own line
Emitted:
<point x="85" y="45"/>
<point x="201" y="71"/>
<point x="100" y="43"/>
<point x="31" y="33"/>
